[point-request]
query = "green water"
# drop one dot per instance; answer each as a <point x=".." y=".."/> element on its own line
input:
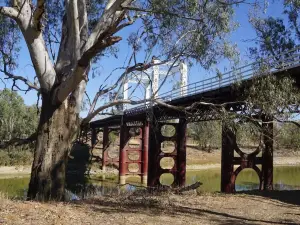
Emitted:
<point x="14" y="187"/>
<point x="285" y="178"/>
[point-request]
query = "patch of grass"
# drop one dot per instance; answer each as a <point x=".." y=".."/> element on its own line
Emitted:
<point x="3" y="196"/>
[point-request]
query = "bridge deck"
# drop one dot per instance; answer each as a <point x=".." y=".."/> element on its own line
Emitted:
<point x="213" y="90"/>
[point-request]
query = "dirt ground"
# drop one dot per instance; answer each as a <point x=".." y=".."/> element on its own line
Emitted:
<point x="276" y="208"/>
<point x="168" y="209"/>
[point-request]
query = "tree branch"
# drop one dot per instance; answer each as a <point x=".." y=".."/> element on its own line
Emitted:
<point x="90" y="116"/>
<point x="75" y="28"/>
<point x="288" y="121"/>
<point x="9" y="11"/>
<point x="162" y="13"/>
<point x="26" y="81"/>
<point x="137" y="67"/>
<point x="19" y="141"/>
<point x="233" y="2"/>
<point x="38" y="14"/>
<point x="100" y="38"/>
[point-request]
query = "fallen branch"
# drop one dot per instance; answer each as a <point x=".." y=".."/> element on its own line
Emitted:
<point x="165" y="188"/>
<point x="188" y="188"/>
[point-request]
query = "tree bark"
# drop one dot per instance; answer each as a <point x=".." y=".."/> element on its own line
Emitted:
<point x="56" y="131"/>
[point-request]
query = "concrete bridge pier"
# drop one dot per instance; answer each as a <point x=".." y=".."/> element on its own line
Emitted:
<point x="156" y="153"/>
<point x="245" y="160"/>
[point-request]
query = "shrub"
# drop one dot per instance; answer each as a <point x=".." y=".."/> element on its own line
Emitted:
<point x="15" y="157"/>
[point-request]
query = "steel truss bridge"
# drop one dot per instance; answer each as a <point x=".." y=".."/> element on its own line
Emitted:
<point x="144" y="123"/>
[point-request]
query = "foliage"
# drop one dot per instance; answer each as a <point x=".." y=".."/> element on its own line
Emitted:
<point x="292" y="8"/>
<point x="272" y="96"/>
<point x="207" y="134"/>
<point x="9" y="43"/>
<point x="272" y="37"/>
<point x="288" y="136"/>
<point x="193" y="29"/>
<point x="15" y="157"/>
<point x="247" y="134"/>
<point x="16" y="119"/>
<point x="113" y="136"/>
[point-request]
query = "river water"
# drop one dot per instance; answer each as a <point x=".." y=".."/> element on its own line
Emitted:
<point x="285" y="178"/>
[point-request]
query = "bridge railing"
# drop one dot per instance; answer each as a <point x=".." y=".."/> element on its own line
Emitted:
<point x="281" y="62"/>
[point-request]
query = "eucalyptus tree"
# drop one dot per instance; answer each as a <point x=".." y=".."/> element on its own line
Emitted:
<point x="271" y="95"/>
<point x="65" y="38"/>
<point x="292" y="9"/>
<point x="276" y="98"/>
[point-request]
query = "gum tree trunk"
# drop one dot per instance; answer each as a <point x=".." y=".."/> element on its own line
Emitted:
<point x="62" y="84"/>
<point x="56" y="131"/>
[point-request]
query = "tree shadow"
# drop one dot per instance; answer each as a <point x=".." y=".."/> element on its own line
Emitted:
<point x="77" y="167"/>
<point x="152" y="206"/>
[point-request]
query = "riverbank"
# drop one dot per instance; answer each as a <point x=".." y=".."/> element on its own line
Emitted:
<point x="196" y="160"/>
<point x="14" y="171"/>
<point x="278" y="161"/>
<point x="277" y="208"/>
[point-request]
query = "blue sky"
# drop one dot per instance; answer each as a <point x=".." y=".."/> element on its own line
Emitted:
<point x="107" y="64"/>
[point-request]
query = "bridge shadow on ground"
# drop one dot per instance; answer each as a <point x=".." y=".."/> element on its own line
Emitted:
<point x="191" y="213"/>
<point x="289" y="197"/>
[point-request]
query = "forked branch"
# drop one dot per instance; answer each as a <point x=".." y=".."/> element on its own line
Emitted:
<point x="15" y="78"/>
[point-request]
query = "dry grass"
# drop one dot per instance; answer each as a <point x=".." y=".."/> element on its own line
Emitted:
<point x="166" y="209"/>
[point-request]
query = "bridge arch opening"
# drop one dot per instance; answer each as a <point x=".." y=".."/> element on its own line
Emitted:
<point x="134" y="143"/>
<point x="114" y="145"/>
<point x="168" y="130"/>
<point x="166" y="179"/>
<point x="133" y="167"/>
<point x="248" y="137"/>
<point x="247" y="180"/>
<point x="134" y="155"/>
<point x="167" y="163"/>
<point x="167" y="146"/>
<point x="113" y="152"/>
<point x="134" y="132"/>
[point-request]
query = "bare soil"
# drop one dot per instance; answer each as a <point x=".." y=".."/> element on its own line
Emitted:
<point x="274" y="208"/>
<point x="14" y="171"/>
